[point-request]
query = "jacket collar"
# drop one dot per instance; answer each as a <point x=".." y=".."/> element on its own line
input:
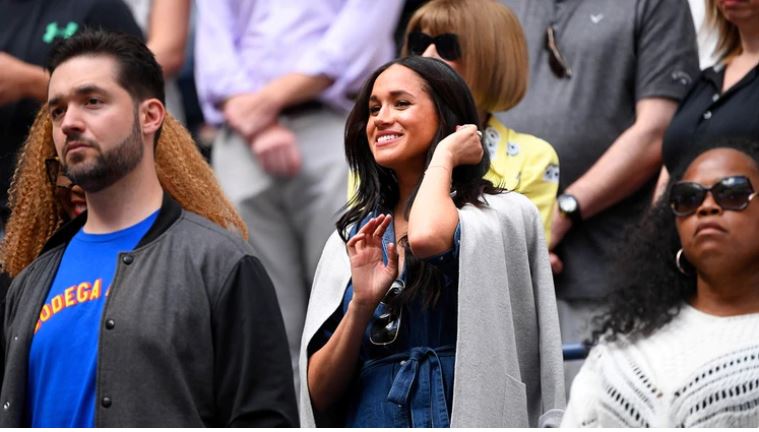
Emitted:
<point x="167" y="215"/>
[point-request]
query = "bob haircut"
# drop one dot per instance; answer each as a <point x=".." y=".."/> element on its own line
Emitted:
<point x="378" y="186"/>
<point x="494" y="60"/>
<point x="728" y="38"/>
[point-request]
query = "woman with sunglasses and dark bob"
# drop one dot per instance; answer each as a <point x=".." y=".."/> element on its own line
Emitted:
<point x="484" y="41"/>
<point x="678" y="345"/>
<point x="433" y="303"/>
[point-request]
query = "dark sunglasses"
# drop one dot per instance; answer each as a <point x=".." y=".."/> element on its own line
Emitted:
<point x="557" y="62"/>
<point x="384" y="328"/>
<point x="54" y="173"/>
<point x="447" y="44"/>
<point x="730" y="193"/>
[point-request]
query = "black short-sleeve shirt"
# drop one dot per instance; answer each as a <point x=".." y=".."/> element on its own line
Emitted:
<point x="707" y="114"/>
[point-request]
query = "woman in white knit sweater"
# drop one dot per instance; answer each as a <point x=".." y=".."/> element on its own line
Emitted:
<point x="678" y="346"/>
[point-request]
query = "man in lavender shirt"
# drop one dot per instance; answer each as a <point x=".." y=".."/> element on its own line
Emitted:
<point x="279" y="76"/>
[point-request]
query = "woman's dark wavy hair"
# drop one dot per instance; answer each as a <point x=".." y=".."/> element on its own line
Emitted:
<point x="378" y="186"/>
<point x="649" y="290"/>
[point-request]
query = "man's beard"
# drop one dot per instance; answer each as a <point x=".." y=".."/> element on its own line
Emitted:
<point x="108" y="167"/>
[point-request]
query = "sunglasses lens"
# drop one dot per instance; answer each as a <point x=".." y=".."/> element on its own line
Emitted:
<point x="385" y="326"/>
<point x="686" y="197"/>
<point x="448" y="46"/>
<point x="733" y="193"/>
<point x="418" y="42"/>
<point x="556" y="61"/>
<point x="556" y="67"/>
<point x="384" y="329"/>
<point x="52" y="167"/>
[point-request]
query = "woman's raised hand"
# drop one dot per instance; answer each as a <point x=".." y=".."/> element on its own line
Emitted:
<point x="464" y="145"/>
<point x="371" y="278"/>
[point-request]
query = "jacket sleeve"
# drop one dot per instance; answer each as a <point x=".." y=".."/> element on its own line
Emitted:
<point x="252" y="374"/>
<point x="5" y="283"/>
<point x="551" y="360"/>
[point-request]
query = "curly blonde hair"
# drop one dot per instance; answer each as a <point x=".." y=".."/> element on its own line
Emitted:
<point x="36" y="214"/>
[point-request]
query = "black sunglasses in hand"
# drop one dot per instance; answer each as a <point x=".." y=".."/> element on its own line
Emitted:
<point x="385" y="327"/>
<point x="446" y="44"/>
<point x="730" y="193"/>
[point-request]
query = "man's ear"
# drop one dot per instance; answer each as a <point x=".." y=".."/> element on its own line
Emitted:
<point x="152" y="114"/>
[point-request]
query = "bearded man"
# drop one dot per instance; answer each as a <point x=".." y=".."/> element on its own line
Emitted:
<point x="138" y="312"/>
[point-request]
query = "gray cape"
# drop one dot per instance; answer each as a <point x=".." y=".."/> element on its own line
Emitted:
<point x="509" y="367"/>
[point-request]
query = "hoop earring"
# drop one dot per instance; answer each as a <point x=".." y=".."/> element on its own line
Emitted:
<point x="678" y="259"/>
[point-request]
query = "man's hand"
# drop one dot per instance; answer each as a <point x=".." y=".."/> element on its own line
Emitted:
<point x="276" y="149"/>
<point x="20" y="80"/>
<point x="250" y="113"/>
<point x="559" y="228"/>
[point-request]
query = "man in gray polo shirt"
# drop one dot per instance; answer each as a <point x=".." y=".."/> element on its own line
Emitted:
<point x="603" y="96"/>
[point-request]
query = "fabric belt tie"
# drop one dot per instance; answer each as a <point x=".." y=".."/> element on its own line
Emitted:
<point x="423" y="368"/>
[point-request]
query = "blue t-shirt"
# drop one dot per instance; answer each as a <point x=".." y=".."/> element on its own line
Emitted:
<point x="63" y="354"/>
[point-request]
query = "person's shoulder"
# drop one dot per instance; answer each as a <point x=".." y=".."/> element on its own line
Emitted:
<point x="530" y="146"/>
<point x="200" y="232"/>
<point x="658" y="10"/>
<point x="28" y="278"/>
<point x="606" y="350"/>
<point x="534" y="147"/>
<point x="511" y="204"/>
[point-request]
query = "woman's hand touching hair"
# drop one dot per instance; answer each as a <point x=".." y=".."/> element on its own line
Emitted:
<point x="464" y="146"/>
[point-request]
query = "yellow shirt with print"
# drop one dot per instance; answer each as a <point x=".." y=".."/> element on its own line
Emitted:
<point x="525" y="164"/>
<point x="518" y="162"/>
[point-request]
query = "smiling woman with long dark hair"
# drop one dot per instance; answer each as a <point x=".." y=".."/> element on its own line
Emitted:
<point x="677" y="346"/>
<point x="433" y="303"/>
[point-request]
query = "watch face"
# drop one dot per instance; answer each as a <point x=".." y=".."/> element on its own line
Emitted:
<point x="567" y="204"/>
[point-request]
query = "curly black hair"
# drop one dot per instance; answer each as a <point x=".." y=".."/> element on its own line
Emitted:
<point x="648" y="289"/>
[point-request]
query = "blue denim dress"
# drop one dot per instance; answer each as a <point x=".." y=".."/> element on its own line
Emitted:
<point x="408" y="383"/>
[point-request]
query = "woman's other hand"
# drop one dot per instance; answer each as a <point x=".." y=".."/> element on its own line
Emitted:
<point x="464" y="145"/>
<point x="370" y="276"/>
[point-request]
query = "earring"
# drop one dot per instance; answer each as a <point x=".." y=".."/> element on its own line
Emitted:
<point x="678" y="259"/>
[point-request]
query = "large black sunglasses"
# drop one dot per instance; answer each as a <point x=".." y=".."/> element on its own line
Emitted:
<point x="447" y="44"/>
<point x="384" y="328"/>
<point x="730" y="193"/>
<point x="557" y="62"/>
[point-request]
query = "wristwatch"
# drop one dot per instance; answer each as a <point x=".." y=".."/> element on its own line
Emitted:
<point x="569" y="207"/>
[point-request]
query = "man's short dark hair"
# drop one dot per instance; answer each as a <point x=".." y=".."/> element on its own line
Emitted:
<point x="138" y="71"/>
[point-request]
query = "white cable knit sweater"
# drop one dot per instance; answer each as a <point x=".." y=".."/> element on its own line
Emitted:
<point x="699" y="370"/>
